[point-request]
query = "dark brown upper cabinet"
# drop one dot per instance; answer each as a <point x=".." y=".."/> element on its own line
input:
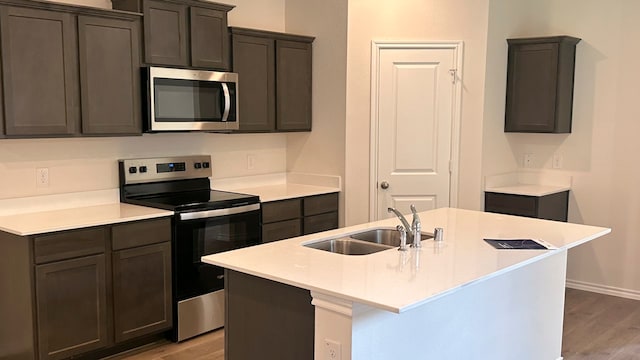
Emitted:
<point x="109" y="75"/>
<point x="187" y="33"/>
<point x="40" y="72"/>
<point x="540" y="74"/>
<point x="68" y="70"/>
<point x="274" y="71"/>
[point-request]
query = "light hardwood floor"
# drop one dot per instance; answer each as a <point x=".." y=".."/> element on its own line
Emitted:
<point x="596" y="327"/>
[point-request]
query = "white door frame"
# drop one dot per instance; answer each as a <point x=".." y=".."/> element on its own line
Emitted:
<point x="376" y="47"/>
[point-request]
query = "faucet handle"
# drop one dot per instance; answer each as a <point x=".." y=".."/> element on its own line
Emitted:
<point x="416" y="218"/>
<point x="403" y="237"/>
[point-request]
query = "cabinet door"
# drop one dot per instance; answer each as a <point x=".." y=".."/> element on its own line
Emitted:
<point x="281" y="230"/>
<point x="531" y="88"/>
<point x="40" y="72"/>
<point x="293" y="71"/>
<point x="109" y="75"/>
<point x="142" y="290"/>
<point x="254" y="61"/>
<point x="165" y="33"/>
<point x="71" y="307"/>
<point x="209" y="38"/>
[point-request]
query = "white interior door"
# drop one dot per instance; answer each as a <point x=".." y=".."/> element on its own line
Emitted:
<point x="415" y="101"/>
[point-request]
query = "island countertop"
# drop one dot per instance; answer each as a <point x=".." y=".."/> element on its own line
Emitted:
<point x="398" y="281"/>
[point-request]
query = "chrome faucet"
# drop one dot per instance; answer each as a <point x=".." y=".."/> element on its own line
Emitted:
<point x="415" y="226"/>
<point x="403" y="220"/>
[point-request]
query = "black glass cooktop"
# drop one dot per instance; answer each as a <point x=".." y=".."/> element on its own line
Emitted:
<point x="195" y="200"/>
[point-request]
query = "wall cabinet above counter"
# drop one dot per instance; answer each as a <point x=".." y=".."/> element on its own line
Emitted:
<point x="275" y="80"/>
<point x="68" y="71"/>
<point x="183" y="32"/>
<point x="540" y="74"/>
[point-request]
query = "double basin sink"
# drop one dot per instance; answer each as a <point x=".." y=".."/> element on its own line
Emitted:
<point x="363" y="243"/>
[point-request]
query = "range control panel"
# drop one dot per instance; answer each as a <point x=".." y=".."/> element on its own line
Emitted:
<point x="134" y="171"/>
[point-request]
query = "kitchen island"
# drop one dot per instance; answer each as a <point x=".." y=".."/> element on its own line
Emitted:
<point x="463" y="299"/>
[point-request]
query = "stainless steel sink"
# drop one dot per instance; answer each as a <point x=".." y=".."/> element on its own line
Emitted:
<point x="348" y="246"/>
<point x="365" y="242"/>
<point x="385" y="236"/>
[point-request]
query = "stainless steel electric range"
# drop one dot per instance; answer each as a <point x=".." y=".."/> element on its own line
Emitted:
<point x="205" y="222"/>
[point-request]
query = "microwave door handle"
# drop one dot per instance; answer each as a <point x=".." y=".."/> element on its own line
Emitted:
<point x="227" y="102"/>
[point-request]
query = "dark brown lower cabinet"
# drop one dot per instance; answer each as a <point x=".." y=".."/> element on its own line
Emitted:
<point x="549" y="207"/>
<point x="141" y="275"/>
<point x="71" y="302"/>
<point x="277" y="318"/>
<point x="289" y="218"/>
<point x="85" y="293"/>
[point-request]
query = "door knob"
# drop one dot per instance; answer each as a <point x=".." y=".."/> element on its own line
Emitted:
<point x="384" y="185"/>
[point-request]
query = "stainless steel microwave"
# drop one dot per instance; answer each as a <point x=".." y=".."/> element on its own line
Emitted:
<point x="189" y="100"/>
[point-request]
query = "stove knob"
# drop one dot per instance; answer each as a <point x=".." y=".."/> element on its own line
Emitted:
<point x="205" y="164"/>
<point x="142" y="169"/>
<point x="197" y="165"/>
<point x="133" y="170"/>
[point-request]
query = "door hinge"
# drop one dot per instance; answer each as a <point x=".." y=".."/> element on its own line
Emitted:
<point x="454" y="75"/>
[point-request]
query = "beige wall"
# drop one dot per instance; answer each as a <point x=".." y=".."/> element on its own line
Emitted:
<point x="86" y="164"/>
<point x="600" y="153"/>
<point x="322" y="150"/>
<point x="422" y="20"/>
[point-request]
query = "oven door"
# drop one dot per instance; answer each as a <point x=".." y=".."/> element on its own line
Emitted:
<point x="209" y="232"/>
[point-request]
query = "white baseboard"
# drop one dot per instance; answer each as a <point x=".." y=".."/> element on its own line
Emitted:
<point x="603" y="289"/>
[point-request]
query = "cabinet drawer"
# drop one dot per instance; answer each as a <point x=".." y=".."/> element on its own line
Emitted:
<point x="281" y="210"/>
<point x="281" y="230"/>
<point x="320" y="204"/>
<point x="511" y="204"/>
<point x="141" y="233"/>
<point x="69" y="244"/>
<point x="322" y="222"/>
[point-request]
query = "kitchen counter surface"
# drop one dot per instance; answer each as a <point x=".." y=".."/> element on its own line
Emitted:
<point x="398" y="281"/>
<point x="32" y="223"/>
<point x="286" y="191"/>
<point x="529" y="189"/>
<point x="281" y="186"/>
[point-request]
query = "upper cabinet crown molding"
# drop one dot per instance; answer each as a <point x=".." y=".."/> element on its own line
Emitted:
<point x="540" y="77"/>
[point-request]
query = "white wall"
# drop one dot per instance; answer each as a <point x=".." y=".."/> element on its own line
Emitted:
<point x="600" y="153"/>
<point x="85" y="164"/>
<point x="464" y="20"/>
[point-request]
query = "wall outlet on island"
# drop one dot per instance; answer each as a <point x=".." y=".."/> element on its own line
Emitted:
<point x="42" y="177"/>
<point x="332" y="350"/>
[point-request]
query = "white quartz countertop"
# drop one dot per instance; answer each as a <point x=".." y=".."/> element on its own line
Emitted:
<point x="286" y="191"/>
<point x="529" y="190"/>
<point x="32" y="223"/>
<point x="398" y="281"/>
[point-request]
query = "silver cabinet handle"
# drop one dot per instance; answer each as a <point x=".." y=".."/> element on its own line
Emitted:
<point x="384" y="185"/>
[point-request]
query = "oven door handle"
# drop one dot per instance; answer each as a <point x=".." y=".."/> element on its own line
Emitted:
<point x="219" y="212"/>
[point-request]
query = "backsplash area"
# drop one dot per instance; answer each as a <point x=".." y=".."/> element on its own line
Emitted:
<point x="89" y="164"/>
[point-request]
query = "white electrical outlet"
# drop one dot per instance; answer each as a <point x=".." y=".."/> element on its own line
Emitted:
<point x="251" y="162"/>
<point x="528" y="160"/>
<point x="557" y="161"/>
<point x="333" y="349"/>
<point x="42" y="177"/>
